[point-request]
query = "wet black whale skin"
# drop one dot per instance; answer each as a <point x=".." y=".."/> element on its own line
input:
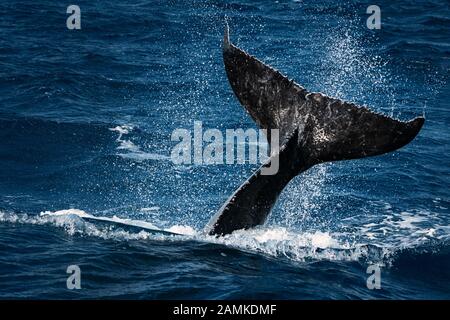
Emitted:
<point x="313" y="128"/>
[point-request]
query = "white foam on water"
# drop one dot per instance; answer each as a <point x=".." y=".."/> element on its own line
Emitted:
<point x="114" y="219"/>
<point x="150" y="209"/>
<point x="301" y="247"/>
<point x="142" y="156"/>
<point x="76" y="212"/>
<point x="132" y="150"/>
<point x="71" y="221"/>
<point x="125" y="129"/>
<point x="183" y="230"/>
<point x="270" y="241"/>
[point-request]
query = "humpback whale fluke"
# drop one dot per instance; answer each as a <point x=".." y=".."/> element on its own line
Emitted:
<point x="313" y="129"/>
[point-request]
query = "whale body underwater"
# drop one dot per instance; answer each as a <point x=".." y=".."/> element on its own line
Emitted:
<point x="313" y="128"/>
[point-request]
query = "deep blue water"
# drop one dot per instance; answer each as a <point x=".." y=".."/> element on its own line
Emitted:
<point x="85" y="123"/>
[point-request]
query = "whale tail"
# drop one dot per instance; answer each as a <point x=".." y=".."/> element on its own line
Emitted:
<point x="324" y="129"/>
<point x="330" y="129"/>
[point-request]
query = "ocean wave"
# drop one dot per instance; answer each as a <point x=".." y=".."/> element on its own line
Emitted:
<point x="275" y="242"/>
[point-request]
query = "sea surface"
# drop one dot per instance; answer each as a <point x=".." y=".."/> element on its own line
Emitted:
<point x="86" y="118"/>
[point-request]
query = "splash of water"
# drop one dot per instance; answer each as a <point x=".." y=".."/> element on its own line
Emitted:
<point x="270" y="241"/>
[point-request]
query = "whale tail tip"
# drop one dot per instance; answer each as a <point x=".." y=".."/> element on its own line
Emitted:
<point x="226" y="36"/>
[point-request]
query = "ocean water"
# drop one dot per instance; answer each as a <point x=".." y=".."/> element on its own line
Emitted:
<point x="86" y="118"/>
